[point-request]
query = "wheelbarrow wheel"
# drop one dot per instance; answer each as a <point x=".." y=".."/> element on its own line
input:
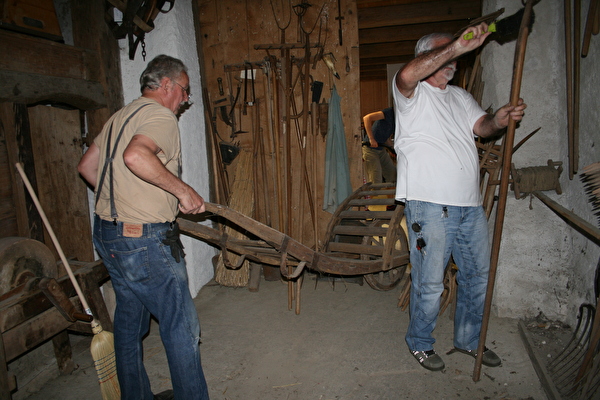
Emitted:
<point x="386" y="280"/>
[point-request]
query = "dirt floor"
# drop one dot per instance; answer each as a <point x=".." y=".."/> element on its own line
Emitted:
<point x="347" y="343"/>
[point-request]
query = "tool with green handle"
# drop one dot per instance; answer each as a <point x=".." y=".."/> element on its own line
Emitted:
<point x="491" y="28"/>
<point x="506" y="29"/>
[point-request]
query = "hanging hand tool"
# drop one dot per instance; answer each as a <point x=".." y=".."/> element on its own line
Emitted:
<point x="329" y="60"/>
<point x="339" y="18"/>
<point x="222" y="181"/>
<point x="347" y="62"/>
<point x="220" y="83"/>
<point x="248" y="75"/>
<point x="244" y="110"/>
<point x="589" y="27"/>
<point x="231" y="115"/>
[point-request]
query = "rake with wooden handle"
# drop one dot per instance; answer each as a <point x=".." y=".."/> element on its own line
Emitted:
<point x="102" y="347"/>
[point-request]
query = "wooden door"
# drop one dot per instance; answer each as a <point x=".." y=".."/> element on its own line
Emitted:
<point x="56" y="144"/>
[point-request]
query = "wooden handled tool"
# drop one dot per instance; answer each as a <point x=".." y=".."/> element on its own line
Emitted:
<point x="102" y="347"/>
<point x="504" y="180"/>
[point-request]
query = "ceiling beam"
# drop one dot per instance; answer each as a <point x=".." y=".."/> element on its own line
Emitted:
<point x="407" y="32"/>
<point x="413" y="13"/>
<point x="405" y="47"/>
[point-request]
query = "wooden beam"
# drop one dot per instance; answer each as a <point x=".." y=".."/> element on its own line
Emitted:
<point x="33" y="55"/>
<point x="28" y="88"/>
<point x="405" y="14"/>
<point x="374" y="76"/>
<point x="401" y="48"/>
<point x="39" y="70"/>
<point x="407" y="32"/>
<point x="379" y="3"/>
<point x="9" y="133"/>
<point x="91" y="31"/>
<point x="383" y="61"/>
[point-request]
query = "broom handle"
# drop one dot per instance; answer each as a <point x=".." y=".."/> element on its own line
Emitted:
<point x="54" y="239"/>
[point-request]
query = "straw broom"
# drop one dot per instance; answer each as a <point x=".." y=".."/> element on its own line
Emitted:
<point x="102" y="347"/>
<point x="241" y="199"/>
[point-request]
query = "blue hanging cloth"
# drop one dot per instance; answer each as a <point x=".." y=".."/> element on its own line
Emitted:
<point x="337" y="173"/>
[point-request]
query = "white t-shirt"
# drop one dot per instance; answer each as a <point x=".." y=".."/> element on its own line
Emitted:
<point x="437" y="156"/>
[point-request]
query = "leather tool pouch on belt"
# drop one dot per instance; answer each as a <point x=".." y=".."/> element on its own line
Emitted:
<point x="174" y="242"/>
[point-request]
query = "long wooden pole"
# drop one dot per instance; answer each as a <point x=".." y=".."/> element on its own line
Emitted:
<point x="576" y="83"/>
<point x="509" y="139"/>
<point x="102" y="346"/>
<point x="569" y="75"/>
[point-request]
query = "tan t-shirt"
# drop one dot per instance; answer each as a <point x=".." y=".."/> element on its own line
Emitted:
<point x="136" y="200"/>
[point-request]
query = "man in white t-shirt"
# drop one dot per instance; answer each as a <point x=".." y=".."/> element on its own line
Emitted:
<point x="438" y="179"/>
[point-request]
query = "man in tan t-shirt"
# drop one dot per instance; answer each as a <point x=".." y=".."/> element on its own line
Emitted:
<point x="134" y="166"/>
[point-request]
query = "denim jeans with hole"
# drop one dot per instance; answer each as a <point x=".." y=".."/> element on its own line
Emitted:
<point x="445" y="230"/>
<point x="148" y="281"/>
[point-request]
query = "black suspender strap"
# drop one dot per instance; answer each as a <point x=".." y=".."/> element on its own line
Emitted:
<point x="108" y="163"/>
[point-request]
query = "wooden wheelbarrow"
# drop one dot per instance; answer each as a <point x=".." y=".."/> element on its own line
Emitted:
<point x="364" y="237"/>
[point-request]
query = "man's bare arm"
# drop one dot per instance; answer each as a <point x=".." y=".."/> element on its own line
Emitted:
<point x="141" y="158"/>
<point x="490" y="124"/>
<point x="88" y="165"/>
<point x="428" y="63"/>
<point x="368" y="121"/>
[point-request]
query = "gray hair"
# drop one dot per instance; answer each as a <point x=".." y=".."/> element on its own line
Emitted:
<point x="160" y="67"/>
<point x="426" y="43"/>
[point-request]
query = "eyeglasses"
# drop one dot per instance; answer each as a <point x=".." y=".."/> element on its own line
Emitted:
<point x="187" y="91"/>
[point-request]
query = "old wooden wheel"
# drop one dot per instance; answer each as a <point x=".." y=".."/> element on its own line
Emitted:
<point x="386" y="280"/>
<point x="21" y="261"/>
<point x="367" y="226"/>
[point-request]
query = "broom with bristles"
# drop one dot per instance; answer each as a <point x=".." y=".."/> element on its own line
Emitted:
<point x="102" y="347"/>
<point x="240" y="199"/>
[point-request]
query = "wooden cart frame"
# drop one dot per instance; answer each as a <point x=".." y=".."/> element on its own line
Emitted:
<point x="364" y="237"/>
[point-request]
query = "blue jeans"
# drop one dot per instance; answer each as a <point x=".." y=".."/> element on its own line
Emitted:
<point x="462" y="232"/>
<point x="148" y="281"/>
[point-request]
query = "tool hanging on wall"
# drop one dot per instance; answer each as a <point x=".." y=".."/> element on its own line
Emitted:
<point x="229" y="117"/>
<point x="347" y="61"/>
<point x="222" y="180"/>
<point x="220" y="85"/>
<point x="329" y="60"/>
<point x="138" y="17"/>
<point x="286" y="117"/>
<point x="592" y="17"/>
<point x="590" y="177"/>
<point x="339" y="18"/>
<point x="248" y="75"/>
<point x="243" y="110"/>
<point x="228" y="151"/>
<point x="572" y="48"/>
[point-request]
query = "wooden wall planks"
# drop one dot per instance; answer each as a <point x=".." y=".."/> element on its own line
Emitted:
<point x="229" y="32"/>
